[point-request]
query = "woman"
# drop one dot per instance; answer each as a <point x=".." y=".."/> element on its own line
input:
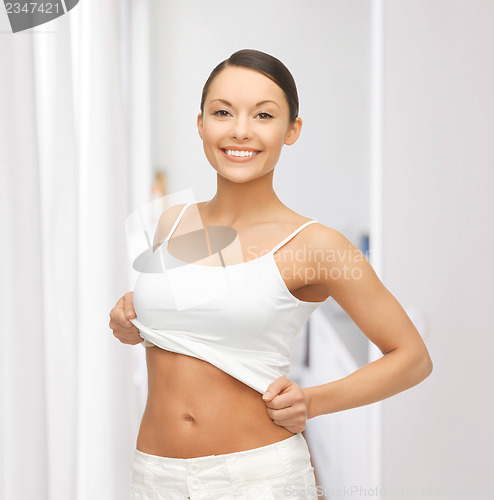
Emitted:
<point x="219" y="429"/>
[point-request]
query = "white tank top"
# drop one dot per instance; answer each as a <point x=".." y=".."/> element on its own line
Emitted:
<point x="241" y="318"/>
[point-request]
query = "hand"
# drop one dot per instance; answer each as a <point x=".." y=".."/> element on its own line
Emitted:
<point x="122" y="328"/>
<point x="287" y="404"/>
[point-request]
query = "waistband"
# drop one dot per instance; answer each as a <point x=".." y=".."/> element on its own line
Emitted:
<point x="283" y="458"/>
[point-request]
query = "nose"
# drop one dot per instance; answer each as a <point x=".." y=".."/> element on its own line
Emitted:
<point x="241" y="128"/>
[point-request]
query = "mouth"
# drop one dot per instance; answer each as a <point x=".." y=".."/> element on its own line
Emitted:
<point x="240" y="154"/>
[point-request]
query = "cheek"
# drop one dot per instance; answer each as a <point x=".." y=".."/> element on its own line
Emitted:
<point x="209" y="141"/>
<point x="275" y="139"/>
<point x="212" y="134"/>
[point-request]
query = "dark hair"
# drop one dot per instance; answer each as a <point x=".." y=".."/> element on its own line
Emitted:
<point x="263" y="63"/>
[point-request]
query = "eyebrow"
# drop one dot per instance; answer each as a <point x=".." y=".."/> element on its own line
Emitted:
<point x="258" y="104"/>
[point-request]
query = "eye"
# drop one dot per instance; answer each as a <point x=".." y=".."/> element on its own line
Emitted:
<point x="220" y="112"/>
<point x="264" y="116"/>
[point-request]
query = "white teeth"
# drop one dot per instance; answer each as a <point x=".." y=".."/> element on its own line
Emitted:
<point x="240" y="153"/>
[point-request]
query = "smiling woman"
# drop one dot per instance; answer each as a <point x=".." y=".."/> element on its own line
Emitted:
<point x="231" y="109"/>
<point x="206" y="430"/>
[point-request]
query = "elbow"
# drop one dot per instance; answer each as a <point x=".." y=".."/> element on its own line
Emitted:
<point x="420" y="365"/>
<point x="426" y="365"/>
<point x="431" y="366"/>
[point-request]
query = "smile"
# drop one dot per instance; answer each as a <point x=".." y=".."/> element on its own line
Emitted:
<point x="239" y="155"/>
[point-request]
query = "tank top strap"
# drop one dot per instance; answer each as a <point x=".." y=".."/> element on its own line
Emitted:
<point x="290" y="236"/>
<point x="177" y="221"/>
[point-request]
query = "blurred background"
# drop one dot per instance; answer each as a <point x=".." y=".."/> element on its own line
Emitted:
<point x="98" y="117"/>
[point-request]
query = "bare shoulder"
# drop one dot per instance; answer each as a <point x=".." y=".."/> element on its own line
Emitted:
<point x="323" y="246"/>
<point x="327" y="239"/>
<point x="319" y="236"/>
<point x="315" y="236"/>
<point x="345" y="273"/>
<point x="335" y="258"/>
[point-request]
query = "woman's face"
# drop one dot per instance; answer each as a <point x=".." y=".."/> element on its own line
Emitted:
<point x="245" y="111"/>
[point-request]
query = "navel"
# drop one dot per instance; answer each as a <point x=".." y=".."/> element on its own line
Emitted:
<point x="189" y="418"/>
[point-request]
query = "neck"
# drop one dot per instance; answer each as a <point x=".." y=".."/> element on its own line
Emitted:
<point x="242" y="203"/>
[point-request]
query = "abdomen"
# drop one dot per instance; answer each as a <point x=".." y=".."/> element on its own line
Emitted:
<point x="195" y="409"/>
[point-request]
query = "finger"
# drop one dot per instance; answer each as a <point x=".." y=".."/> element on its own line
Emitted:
<point x="275" y="387"/>
<point x="281" y="401"/>
<point x="117" y="317"/>
<point x="130" y="342"/>
<point x="286" y="417"/>
<point x="129" y="339"/>
<point x="279" y="415"/>
<point x="119" y="302"/>
<point x="137" y="341"/>
<point x="122" y="318"/>
<point x="116" y="325"/>
<point x="129" y="305"/>
<point x="117" y="306"/>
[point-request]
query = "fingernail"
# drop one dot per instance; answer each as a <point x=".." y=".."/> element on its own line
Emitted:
<point x="266" y="395"/>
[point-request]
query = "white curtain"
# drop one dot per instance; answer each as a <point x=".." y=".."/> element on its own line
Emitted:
<point x="70" y="103"/>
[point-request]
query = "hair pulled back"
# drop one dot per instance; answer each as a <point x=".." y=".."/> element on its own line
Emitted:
<point x="263" y="63"/>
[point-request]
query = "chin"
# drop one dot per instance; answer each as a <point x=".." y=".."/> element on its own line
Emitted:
<point x="240" y="177"/>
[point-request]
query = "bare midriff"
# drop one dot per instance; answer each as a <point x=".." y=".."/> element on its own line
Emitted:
<point x="195" y="409"/>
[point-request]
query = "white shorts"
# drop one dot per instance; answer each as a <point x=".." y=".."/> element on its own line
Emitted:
<point x="280" y="470"/>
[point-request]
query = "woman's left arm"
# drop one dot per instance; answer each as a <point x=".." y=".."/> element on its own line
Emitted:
<point x="350" y="280"/>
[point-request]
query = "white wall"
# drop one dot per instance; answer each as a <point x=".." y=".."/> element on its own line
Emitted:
<point x="439" y="239"/>
<point x="324" y="44"/>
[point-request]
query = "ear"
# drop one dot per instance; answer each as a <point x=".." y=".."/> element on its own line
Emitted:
<point x="199" y="124"/>
<point x="294" y="131"/>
